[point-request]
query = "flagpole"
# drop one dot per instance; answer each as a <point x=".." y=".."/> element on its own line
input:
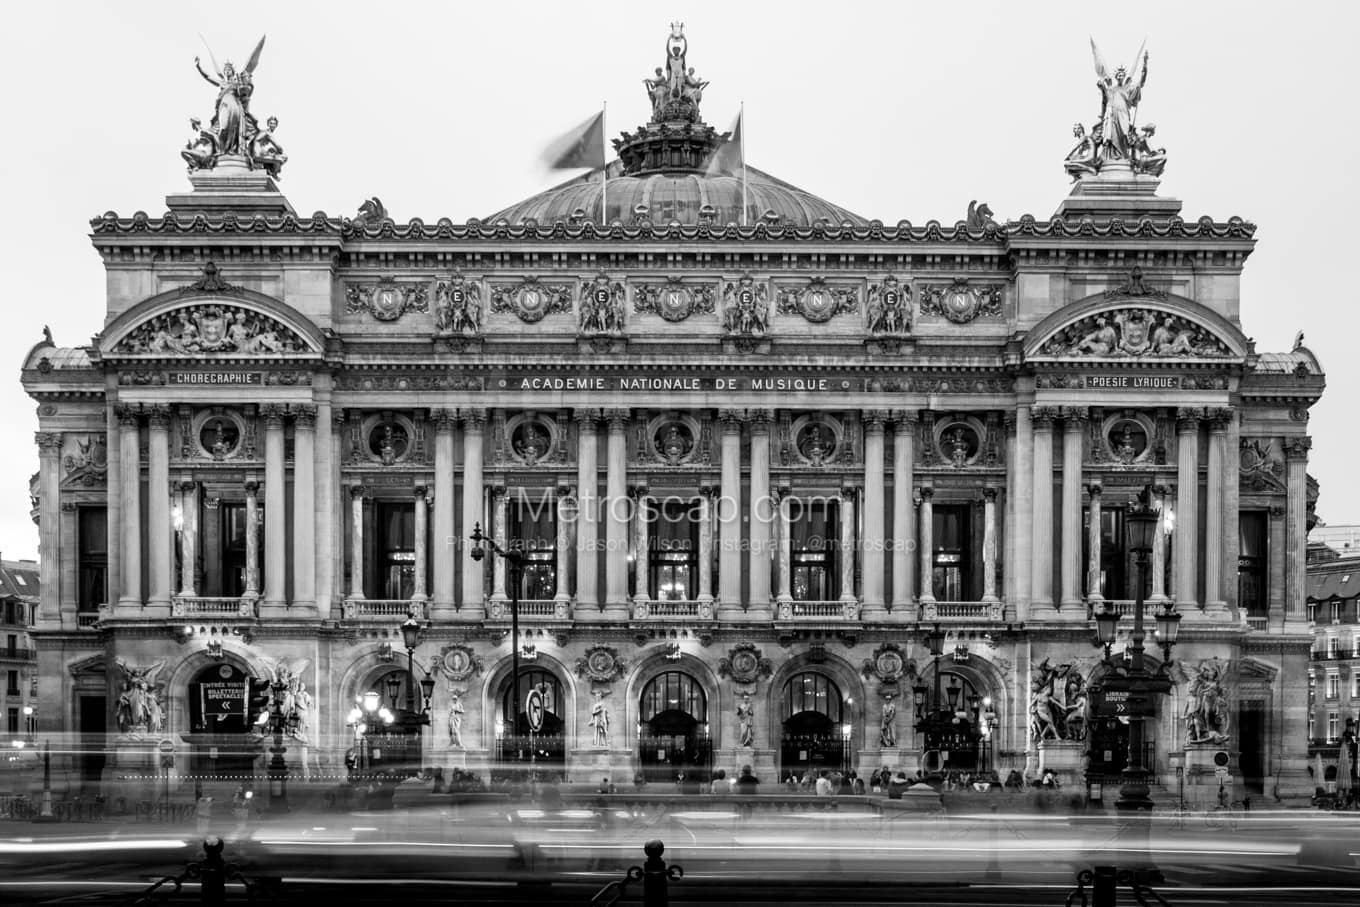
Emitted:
<point x="741" y="149"/>
<point x="604" y="171"/>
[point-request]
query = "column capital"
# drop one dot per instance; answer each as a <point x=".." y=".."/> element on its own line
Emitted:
<point x="1008" y="420"/>
<point x="1043" y="417"/>
<point x="1219" y="418"/>
<point x="1095" y="488"/>
<point x="474" y="419"/>
<point x="707" y="491"/>
<point x="760" y="419"/>
<point x="1277" y="510"/>
<point x="357" y="492"/>
<point x="1188" y="418"/>
<point x="251" y="486"/>
<point x="925" y="492"/>
<point x="49" y="443"/>
<point x="187" y="487"/>
<point x="617" y="419"/>
<point x="443" y="419"/>
<point x="1297" y="448"/>
<point x="304" y="416"/>
<point x="158" y="416"/>
<point x="1162" y="490"/>
<point x="273" y="415"/>
<point x="731" y="420"/>
<point x="874" y="419"/>
<point x="1074" y="417"/>
<point x="586" y="417"/>
<point x="989" y="494"/>
<point x="419" y="492"/>
<point x="905" y="419"/>
<point x="127" y="415"/>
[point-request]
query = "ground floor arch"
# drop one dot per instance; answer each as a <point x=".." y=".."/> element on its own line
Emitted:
<point x="674" y="744"/>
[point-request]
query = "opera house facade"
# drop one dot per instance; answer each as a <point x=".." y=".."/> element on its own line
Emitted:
<point x="761" y="482"/>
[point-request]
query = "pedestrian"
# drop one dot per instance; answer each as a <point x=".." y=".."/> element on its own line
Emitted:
<point x="719" y="784"/>
<point x="240" y="809"/>
<point x="203" y="814"/>
<point x="856" y="784"/>
<point x="747" y="783"/>
<point x="897" y="786"/>
<point x="824" y="783"/>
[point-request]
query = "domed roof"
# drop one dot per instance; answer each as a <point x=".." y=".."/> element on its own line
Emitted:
<point x="679" y="195"/>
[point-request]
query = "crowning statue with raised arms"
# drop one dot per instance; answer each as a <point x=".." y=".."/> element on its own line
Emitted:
<point x="234" y="133"/>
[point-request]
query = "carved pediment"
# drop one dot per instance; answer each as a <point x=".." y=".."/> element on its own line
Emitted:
<point x="1138" y="332"/>
<point x="211" y="328"/>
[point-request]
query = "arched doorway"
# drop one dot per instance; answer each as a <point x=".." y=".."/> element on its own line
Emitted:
<point x="392" y="738"/>
<point x="222" y="745"/>
<point x="673" y="729"/>
<point x="950" y="712"/>
<point x="814" y="735"/>
<point x="529" y="727"/>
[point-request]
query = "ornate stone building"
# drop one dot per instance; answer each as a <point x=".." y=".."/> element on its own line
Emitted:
<point x="751" y="447"/>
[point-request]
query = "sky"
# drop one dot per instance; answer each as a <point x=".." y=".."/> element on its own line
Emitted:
<point x="894" y="110"/>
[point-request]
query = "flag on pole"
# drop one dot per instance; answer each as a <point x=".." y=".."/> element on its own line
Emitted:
<point x="729" y="158"/>
<point x="582" y="146"/>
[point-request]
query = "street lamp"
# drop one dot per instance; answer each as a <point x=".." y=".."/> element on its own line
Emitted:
<point x="930" y="720"/>
<point x="280" y="723"/>
<point x="515" y="558"/>
<point x="367" y="712"/>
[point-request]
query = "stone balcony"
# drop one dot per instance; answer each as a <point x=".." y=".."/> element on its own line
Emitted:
<point x="674" y="611"/>
<point x="531" y="610"/>
<point x="818" y="612"/>
<point x="963" y="612"/>
<point x="213" y="606"/>
<point x="382" y="610"/>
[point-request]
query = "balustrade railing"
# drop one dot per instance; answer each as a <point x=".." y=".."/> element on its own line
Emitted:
<point x="979" y="611"/>
<point x="686" y="609"/>
<point x="1258" y="623"/>
<point x="817" y="611"/>
<point x="86" y="620"/>
<point x="211" y="606"/>
<point x="530" y="609"/>
<point x="397" y="609"/>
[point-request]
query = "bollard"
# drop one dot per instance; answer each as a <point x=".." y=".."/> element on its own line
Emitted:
<point x="213" y="881"/>
<point x="655" y="876"/>
<point x="1104" y="890"/>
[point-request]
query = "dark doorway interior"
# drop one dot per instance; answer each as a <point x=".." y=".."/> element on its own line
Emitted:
<point x="93" y="726"/>
<point x="1251" y="726"/>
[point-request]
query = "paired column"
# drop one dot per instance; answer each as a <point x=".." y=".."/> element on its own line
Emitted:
<point x="760" y="554"/>
<point x="1074" y="424"/>
<point x="904" y="527"/>
<point x="1093" y="594"/>
<point x="188" y="537"/>
<point x="446" y="544"/>
<point x="1158" y="591"/>
<point x="420" y="592"/>
<point x="253" y="541"/>
<point x="642" y="560"/>
<point x="130" y="460"/>
<point x="568" y="512"/>
<point x="1214" y="601"/>
<point x="588" y="498"/>
<point x="325" y="487"/>
<point x="927" y="524"/>
<point x="275" y="513"/>
<point x="784" y="592"/>
<point x="49" y="523"/>
<point x="356" y="561"/>
<point x="873" y="542"/>
<point x="473" y="607"/>
<point x="1041" y="582"/>
<point x="1296" y="526"/>
<point x="989" y="546"/>
<point x="1024" y="510"/>
<point x="304" y="506"/>
<point x="706" y="544"/>
<point x="847" y="545"/>
<point x="1187" y="508"/>
<point x="729" y="519"/>
<point x="158" y="509"/>
<point x="616" y="516"/>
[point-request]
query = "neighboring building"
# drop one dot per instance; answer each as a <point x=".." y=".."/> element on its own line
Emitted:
<point x="18" y="659"/>
<point x="1334" y="682"/>
<point x="1343" y="539"/>
<point x="751" y="446"/>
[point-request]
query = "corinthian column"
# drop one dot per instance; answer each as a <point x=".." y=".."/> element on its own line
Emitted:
<point x="785" y="591"/>
<point x="588" y="496"/>
<point x="1024" y="511"/>
<point x="252" y="540"/>
<point x="49" y="516"/>
<point x="158" y="509"/>
<point x="1093" y="594"/>
<point x="927" y="525"/>
<point x="422" y="556"/>
<point x="446" y="542"/>
<point x="473" y="606"/>
<point x="848" y="545"/>
<point x="762" y="518"/>
<point x="989" y="546"/>
<point x="904" y="526"/>
<point x="500" y="531"/>
<point x="130" y="463"/>
<point x="616" y="517"/>
<point x="642" y="562"/>
<point x="729" y="519"/>
<point x="275" y="513"/>
<point x="1042" y="576"/>
<point x="1187" y="509"/>
<point x="706" y="544"/>
<point x="188" y="537"/>
<point x="1074" y="423"/>
<point x="1214" y="603"/>
<point x="304" y="507"/>
<point x="356" y="558"/>
<point x="1296" y="526"/>
<point x="873" y="542"/>
<point x="1158" y="592"/>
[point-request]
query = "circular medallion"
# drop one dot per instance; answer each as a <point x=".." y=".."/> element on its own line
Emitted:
<point x="533" y="304"/>
<point x="225" y="672"/>
<point x="387" y="304"/>
<point x="818" y="305"/>
<point x="533" y="710"/>
<point x="601" y="662"/>
<point x="889" y="665"/>
<point x="457" y="295"/>
<point x="744" y="664"/>
<point x="959" y="305"/>
<point x="457" y="663"/>
<point x="675" y="304"/>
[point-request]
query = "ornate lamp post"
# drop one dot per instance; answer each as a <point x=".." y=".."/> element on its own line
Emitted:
<point x="930" y="720"/>
<point x="367" y="712"/>
<point x="515" y="558"/>
<point x="280" y="723"/>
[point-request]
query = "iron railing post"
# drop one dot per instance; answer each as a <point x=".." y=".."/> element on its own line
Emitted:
<point x="213" y="882"/>
<point x="655" y="876"/>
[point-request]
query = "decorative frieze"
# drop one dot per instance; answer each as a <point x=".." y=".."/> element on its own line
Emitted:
<point x="673" y="300"/>
<point x="817" y="301"/>
<point x="211" y="328"/>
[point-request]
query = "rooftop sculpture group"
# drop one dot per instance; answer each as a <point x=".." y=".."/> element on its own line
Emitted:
<point x="233" y="134"/>
<point x="675" y="93"/>
<point x="1115" y="141"/>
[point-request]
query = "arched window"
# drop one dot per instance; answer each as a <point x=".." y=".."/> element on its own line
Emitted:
<point x="512" y="703"/>
<point x="673" y="691"/>
<point x="812" y="692"/>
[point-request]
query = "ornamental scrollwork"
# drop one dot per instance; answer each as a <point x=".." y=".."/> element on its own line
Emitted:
<point x="746" y="308"/>
<point x="673" y="300"/>
<point x="744" y="664"/>
<point x="89" y="464"/>
<point x="1260" y="469"/>
<point x="961" y="303"/>
<point x="602" y="307"/>
<point x="817" y="302"/>
<point x="601" y="664"/>
<point x="888" y="664"/>
<point x="530" y="300"/>
<point x="1134" y="332"/>
<point x="211" y="328"/>
<point x="387" y="300"/>
<point x="459" y="662"/>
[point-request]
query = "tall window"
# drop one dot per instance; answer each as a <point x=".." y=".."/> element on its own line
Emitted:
<point x="1251" y="563"/>
<point x="396" y="554"/>
<point x="1333" y="686"/>
<point x="550" y="697"/>
<point x="673" y="562"/>
<point x="673" y="691"/>
<point x="92" y="552"/>
<point x="1333" y="646"/>
<point x="12" y="683"/>
<point x="1334" y="609"/>
<point x="952" y="558"/>
<point x="12" y="720"/>
<point x="812" y="692"/>
<point x="814" y="531"/>
<point x="234" y="549"/>
<point x="1312" y="612"/>
<point x="1333" y="726"/>
<point x="533" y="529"/>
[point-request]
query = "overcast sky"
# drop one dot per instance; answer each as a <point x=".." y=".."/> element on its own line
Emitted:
<point x="893" y="110"/>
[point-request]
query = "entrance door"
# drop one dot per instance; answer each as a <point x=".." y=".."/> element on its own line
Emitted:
<point x="93" y="725"/>
<point x="813" y="736"/>
<point x="1251" y="719"/>
<point x="673" y="735"/>
<point x="1108" y="748"/>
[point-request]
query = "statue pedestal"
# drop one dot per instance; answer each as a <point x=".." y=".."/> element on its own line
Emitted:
<point x="233" y="186"/>
<point x="1116" y="191"/>
<point x="1064" y="758"/>
<point x="589" y="765"/>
